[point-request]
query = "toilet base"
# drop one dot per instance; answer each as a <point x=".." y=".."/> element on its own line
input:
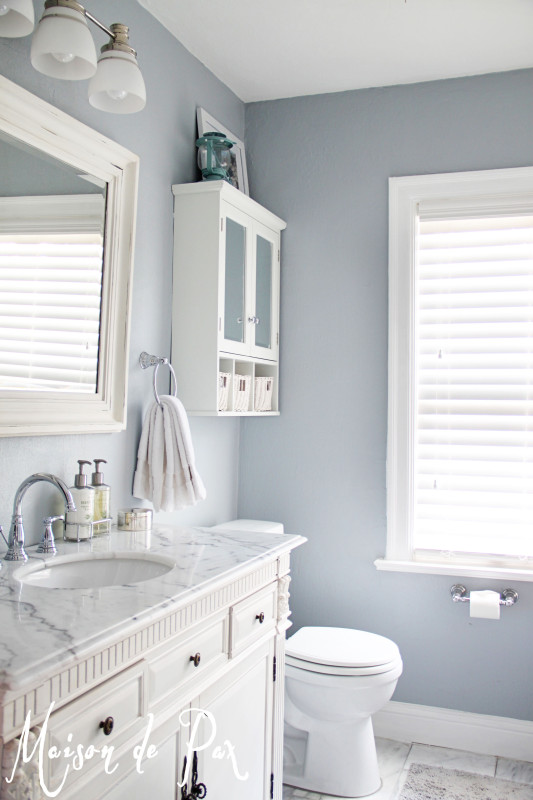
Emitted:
<point x="333" y="759"/>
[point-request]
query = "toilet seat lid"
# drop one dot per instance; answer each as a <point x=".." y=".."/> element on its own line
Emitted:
<point x="341" y="647"/>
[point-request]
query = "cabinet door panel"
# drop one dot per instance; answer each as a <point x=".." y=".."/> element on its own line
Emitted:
<point x="235" y="282"/>
<point x="157" y="780"/>
<point x="263" y="292"/>
<point x="237" y="763"/>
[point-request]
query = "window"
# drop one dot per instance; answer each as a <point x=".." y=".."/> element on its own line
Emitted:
<point x="460" y="438"/>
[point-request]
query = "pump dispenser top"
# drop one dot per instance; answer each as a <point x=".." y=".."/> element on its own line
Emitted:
<point x="98" y="475"/>
<point x="102" y="500"/>
<point x="80" y="480"/>
<point x="79" y="523"/>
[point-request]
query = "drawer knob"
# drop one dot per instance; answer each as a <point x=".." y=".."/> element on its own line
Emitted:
<point x="260" y="617"/>
<point x="108" y="724"/>
<point x="195" y="659"/>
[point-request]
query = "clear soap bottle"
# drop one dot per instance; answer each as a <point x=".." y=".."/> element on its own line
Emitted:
<point x="102" y="500"/>
<point x="79" y="523"/>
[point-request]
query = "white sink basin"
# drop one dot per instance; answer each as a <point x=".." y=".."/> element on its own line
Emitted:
<point x="94" y="570"/>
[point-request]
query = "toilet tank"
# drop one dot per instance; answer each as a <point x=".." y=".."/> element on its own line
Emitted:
<point x="254" y="525"/>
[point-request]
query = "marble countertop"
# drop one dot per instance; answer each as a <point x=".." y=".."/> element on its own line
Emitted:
<point x="44" y="628"/>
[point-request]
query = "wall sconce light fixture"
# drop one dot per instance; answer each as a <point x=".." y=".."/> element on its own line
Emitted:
<point x="16" y="18"/>
<point x="62" y="47"/>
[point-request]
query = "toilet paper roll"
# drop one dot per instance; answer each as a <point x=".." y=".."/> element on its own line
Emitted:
<point x="485" y="605"/>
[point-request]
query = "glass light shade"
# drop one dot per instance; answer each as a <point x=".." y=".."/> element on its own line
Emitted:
<point x="118" y="85"/>
<point x="16" y="18"/>
<point x="62" y="46"/>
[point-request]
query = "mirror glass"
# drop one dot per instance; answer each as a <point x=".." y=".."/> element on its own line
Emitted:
<point x="67" y="221"/>
<point x="52" y="226"/>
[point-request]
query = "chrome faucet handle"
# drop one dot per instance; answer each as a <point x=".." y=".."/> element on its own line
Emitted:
<point x="47" y="543"/>
<point x="15" y="545"/>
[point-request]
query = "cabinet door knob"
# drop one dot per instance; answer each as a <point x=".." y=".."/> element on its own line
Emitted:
<point x="260" y="617"/>
<point x="108" y="724"/>
<point x="195" y="659"/>
<point x="255" y="320"/>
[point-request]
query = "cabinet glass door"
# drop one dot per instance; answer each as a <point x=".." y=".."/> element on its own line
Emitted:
<point x="263" y="293"/>
<point x="235" y="281"/>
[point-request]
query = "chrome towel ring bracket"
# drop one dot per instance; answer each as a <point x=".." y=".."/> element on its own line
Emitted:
<point x="146" y="360"/>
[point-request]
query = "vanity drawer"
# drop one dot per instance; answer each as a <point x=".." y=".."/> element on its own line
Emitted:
<point x="252" y="617"/>
<point x="171" y="667"/>
<point x="117" y="706"/>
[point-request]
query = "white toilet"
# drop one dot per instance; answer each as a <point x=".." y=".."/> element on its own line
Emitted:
<point x="335" y="679"/>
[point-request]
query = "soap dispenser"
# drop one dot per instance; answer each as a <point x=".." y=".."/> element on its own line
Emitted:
<point x="102" y="500"/>
<point x="79" y="523"/>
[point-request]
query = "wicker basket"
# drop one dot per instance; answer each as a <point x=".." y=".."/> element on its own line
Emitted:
<point x="241" y="392"/>
<point x="263" y="394"/>
<point x="224" y="379"/>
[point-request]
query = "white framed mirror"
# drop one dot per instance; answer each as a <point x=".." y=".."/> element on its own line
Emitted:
<point x="68" y="198"/>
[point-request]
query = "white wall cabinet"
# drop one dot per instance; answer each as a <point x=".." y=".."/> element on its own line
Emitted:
<point x="225" y="321"/>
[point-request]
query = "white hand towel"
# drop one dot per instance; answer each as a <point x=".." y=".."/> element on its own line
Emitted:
<point x="143" y="478"/>
<point x="166" y="472"/>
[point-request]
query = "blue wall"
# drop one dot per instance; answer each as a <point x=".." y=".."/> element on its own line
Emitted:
<point x="323" y="163"/>
<point x="164" y="136"/>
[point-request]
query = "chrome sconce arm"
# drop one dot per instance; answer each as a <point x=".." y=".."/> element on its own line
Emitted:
<point x="64" y="48"/>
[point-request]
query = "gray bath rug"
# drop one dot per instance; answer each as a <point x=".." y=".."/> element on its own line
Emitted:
<point x="435" y="783"/>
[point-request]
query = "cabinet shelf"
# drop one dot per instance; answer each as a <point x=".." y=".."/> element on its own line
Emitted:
<point x="225" y="315"/>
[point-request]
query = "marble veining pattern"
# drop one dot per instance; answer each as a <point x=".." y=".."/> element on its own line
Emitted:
<point x="395" y="758"/>
<point x="451" y="759"/>
<point x="45" y="627"/>
<point x="520" y="771"/>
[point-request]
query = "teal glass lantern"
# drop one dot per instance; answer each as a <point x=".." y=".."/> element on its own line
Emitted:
<point x="214" y="156"/>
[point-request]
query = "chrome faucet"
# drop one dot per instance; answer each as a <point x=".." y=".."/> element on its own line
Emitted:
<point x="15" y="543"/>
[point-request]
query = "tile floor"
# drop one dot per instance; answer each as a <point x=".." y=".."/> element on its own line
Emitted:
<point x="395" y="759"/>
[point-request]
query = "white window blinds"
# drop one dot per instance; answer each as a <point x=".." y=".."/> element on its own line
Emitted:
<point x="50" y="293"/>
<point x="473" y="384"/>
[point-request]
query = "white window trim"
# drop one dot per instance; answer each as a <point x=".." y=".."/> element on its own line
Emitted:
<point x="490" y="187"/>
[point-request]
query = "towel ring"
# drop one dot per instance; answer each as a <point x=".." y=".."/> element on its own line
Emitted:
<point x="146" y="360"/>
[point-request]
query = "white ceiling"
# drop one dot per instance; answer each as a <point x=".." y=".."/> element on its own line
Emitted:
<point x="267" y="49"/>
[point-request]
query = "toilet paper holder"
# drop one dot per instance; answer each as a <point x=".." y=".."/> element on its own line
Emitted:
<point x="507" y="598"/>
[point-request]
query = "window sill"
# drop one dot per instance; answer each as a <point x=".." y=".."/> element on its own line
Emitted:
<point x="456" y="570"/>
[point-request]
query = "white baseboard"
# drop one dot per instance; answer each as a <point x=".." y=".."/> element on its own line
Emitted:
<point x="462" y="730"/>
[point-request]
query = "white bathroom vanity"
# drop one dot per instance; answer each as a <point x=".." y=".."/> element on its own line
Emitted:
<point x="165" y="688"/>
